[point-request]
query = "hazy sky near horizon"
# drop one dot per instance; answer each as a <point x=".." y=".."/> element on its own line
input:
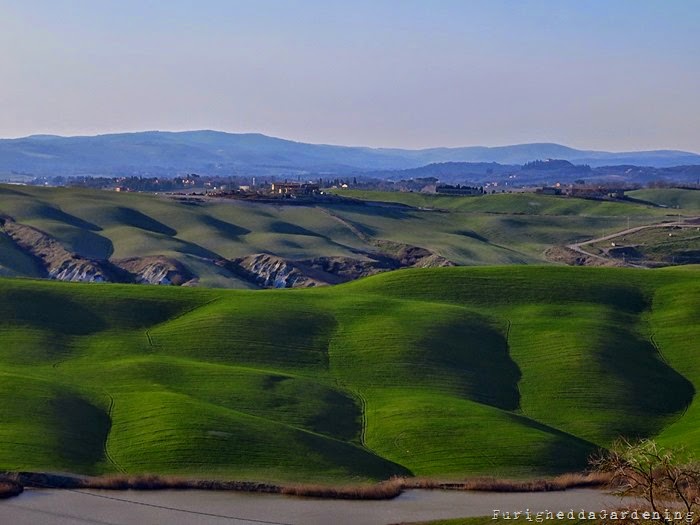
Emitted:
<point x="614" y="75"/>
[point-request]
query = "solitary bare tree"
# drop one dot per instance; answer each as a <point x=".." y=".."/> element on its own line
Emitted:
<point x="662" y="477"/>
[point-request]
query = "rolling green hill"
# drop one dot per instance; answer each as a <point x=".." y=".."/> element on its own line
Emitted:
<point x="509" y="203"/>
<point x="688" y="200"/>
<point x="515" y="371"/>
<point x="494" y="229"/>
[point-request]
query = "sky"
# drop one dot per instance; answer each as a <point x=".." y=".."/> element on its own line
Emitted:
<point x="611" y="75"/>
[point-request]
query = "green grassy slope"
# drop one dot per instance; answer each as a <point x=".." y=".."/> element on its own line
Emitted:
<point x="688" y="200"/>
<point x="675" y="326"/>
<point x="448" y="372"/>
<point x="485" y="238"/>
<point x="101" y="224"/>
<point x="494" y="229"/>
<point x="510" y="203"/>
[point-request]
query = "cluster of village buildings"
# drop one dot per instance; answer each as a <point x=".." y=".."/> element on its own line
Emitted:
<point x="585" y="191"/>
<point x="299" y="189"/>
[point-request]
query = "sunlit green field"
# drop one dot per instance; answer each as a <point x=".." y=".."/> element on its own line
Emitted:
<point x="687" y="200"/>
<point x="513" y="371"/>
<point x="511" y="203"/>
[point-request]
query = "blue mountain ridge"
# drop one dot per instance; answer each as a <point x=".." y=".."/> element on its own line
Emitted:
<point x="212" y="152"/>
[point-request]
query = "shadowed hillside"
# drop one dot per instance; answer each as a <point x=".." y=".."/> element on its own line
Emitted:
<point x="444" y="372"/>
<point x="87" y="235"/>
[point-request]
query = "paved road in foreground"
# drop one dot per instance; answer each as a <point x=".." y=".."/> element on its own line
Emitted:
<point x="63" y="507"/>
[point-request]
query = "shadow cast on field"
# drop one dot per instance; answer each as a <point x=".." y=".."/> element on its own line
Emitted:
<point x="82" y="430"/>
<point x="567" y="453"/>
<point x="9" y="191"/>
<point x="479" y="355"/>
<point x="92" y="245"/>
<point x="136" y="219"/>
<point x="472" y="235"/>
<point x="225" y="229"/>
<point x="46" y="211"/>
<point x="62" y="315"/>
<point x="190" y="248"/>
<point x="651" y="385"/>
<point x="287" y="228"/>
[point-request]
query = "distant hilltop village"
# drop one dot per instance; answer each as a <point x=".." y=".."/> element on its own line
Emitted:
<point x="285" y="190"/>
<point x="333" y="189"/>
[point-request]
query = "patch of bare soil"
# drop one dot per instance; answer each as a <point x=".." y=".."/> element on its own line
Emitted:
<point x="562" y="254"/>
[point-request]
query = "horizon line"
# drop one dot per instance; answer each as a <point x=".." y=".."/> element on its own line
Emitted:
<point x="204" y="130"/>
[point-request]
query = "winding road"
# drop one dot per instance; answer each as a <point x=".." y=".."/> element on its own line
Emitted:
<point x="687" y="222"/>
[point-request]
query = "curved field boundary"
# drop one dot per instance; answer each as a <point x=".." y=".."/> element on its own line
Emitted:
<point x="105" y="447"/>
<point x="178" y="316"/>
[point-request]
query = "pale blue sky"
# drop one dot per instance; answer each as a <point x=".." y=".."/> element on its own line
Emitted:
<point x="614" y="75"/>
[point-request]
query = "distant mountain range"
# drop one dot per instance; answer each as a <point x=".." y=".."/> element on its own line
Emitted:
<point x="219" y="153"/>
